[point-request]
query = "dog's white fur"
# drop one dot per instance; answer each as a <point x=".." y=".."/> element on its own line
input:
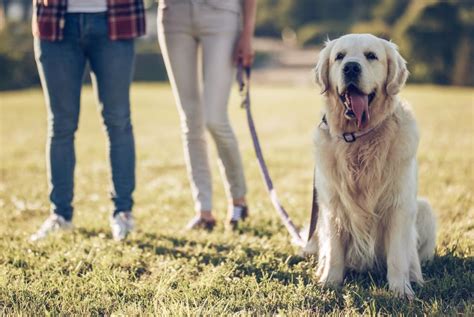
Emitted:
<point x="370" y="216"/>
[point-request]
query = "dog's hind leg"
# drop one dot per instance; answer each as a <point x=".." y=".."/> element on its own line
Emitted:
<point x="426" y="229"/>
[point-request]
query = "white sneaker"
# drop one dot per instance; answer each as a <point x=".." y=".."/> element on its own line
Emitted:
<point x="121" y="224"/>
<point x="52" y="223"/>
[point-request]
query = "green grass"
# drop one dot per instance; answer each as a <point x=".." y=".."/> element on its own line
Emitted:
<point x="162" y="270"/>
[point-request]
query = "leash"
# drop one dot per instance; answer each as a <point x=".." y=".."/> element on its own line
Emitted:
<point x="243" y="80"/>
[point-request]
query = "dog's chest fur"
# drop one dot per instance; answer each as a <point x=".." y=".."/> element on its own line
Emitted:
<point x="359" y="174"/>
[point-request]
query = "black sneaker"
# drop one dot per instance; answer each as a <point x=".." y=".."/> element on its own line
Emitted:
<point x="239" y="213"/>
<point x="198" y="223"/>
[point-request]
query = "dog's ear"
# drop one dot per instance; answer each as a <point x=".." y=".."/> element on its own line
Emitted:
<point x="397" y="72"/>
<point x="321" y="71"/>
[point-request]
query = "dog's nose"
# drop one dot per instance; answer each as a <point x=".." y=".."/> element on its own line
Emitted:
<point x="352" y="69"/>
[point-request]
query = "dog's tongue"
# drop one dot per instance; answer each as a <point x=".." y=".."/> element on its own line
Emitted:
<point x="360" y="106"/>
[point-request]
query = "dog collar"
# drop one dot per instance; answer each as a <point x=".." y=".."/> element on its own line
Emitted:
<point x="349" y="137"/>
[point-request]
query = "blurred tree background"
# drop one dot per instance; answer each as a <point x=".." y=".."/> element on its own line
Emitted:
<point x="435" y="36"/>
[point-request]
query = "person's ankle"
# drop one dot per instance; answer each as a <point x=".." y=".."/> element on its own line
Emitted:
<point x="206" y="215"/>
<point x="239" y="202"/>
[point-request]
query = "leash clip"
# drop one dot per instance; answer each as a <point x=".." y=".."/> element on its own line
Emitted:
<point x="349" y="137"/>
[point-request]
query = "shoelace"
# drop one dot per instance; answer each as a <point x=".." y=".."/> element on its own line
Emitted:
<point x="124" y="220"/>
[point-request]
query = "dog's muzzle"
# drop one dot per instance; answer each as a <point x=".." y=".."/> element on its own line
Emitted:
<point x="356" y="104"/>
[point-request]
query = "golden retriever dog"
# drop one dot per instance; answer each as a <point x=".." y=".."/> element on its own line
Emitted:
<point x="366" y="171"/>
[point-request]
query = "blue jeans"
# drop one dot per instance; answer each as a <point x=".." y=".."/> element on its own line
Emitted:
<point x="61" y="66"/>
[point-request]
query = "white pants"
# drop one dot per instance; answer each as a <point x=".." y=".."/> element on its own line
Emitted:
<point x="185" y="28"/>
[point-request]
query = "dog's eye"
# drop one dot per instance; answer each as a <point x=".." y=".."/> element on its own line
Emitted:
<point x="340" y="56"/>
<point x="371" y="56"/>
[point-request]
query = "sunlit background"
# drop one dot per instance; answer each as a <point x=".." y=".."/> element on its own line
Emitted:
<point x="435" y="36"/>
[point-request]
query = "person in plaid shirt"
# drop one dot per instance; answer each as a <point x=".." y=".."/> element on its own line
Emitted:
<point x="67" y="35"/>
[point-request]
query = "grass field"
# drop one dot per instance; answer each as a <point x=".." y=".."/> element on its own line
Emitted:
<point x="162" y="270"/>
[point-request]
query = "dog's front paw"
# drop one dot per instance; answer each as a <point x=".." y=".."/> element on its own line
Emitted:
<point x="402" y="288"/>
<point x="310" y="248"/>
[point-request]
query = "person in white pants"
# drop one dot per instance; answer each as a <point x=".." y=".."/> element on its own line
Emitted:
<point x="221" y="31"/>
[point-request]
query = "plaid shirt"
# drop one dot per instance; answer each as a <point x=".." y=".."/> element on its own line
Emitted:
<point x="126" y="19"/>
